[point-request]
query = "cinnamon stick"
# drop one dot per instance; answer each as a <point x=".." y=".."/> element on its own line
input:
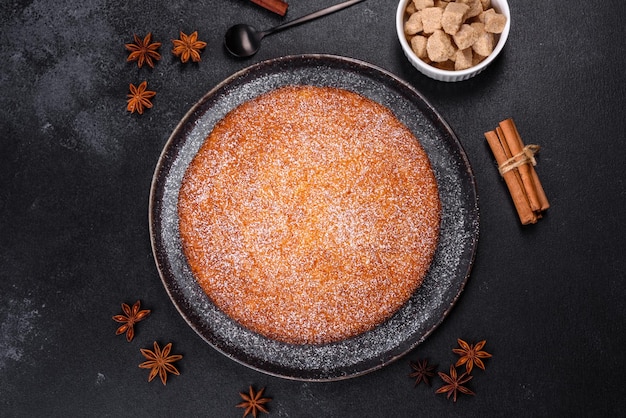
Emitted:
<point x="516" y="163"/>
<point x="512" y="180"/>
<point x="275" y="6"/>
<point x="511" y="137"/>
<point x="516" y="139"/>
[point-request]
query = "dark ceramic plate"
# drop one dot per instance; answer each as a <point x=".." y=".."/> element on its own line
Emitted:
<point x="427" y="307"/>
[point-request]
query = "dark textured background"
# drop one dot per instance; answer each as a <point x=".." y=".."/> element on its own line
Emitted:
<point x="75" y="172"/>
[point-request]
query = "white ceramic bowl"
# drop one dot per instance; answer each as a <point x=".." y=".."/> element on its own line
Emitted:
<point x="501" y="6"/>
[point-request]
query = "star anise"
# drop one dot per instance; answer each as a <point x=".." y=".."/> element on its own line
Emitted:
<point x="188" y="46"/>
<point x="143" y="51"/>
<point x="421" y="371"/>
<point x="253" y="402"/>
<point x="471" y="354"/>
<point x="139" y="98"/>
<point x="160" y="362"/>
<point x="131" y="317"/>
<point x="454" y="383"/>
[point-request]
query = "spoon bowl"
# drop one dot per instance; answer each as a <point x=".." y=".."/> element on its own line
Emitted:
<point x="243" y="40"/>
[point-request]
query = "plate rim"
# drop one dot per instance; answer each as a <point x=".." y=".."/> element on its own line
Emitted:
<point x="462" y="156"/>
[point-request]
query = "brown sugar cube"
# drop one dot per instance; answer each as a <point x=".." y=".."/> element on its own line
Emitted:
<point x="431" y="19"/>
<point x="441" y="3"/>
<point x="486" y="4"/>
<point x="422" y="4"/>
<point x="476" y="59"/>
<point x="463" y="59"/>
<point x="413" y="24"/>
<point x="452" y="17"/>
<point x="410" y="9"/>
<point x="480" y="18"/>
<point x="439" y="46"/>
<point x="418" y="45"/>
<point x="485" y="41"/>
<point x="465" y="37"/>
<point x="478" y="27"/>
<point x="483" y="16"/>
<point x="475" y="7"/>
<point x="494" y="22"/>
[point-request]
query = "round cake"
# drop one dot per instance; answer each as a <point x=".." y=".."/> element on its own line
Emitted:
<point x="309" y="214"/>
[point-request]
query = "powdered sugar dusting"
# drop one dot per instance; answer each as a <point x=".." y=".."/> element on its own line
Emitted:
<point x="309" y="214"/>
<point x="17" y="326"/>
<point x="416" y="318"/>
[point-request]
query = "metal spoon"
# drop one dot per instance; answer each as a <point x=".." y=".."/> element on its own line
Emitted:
<point x="244" y="40"/>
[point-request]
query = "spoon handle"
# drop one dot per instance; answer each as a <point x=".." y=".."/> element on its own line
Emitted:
<point x="314" y="15"/>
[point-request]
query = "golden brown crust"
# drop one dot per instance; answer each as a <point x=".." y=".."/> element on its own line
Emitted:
<point x="310" y="214"/>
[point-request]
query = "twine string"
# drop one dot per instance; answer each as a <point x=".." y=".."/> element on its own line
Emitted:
<point x="527" y="155"/>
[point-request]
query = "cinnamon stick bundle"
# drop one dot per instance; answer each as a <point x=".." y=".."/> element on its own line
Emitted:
<point x="516" y="163"/>
<point x="276" y="6"/>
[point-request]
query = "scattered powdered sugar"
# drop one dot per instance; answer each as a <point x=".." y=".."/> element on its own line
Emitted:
<point x="100" y="378"/>
<point x="16" y="328"/>
<point x="427" y="306"/>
